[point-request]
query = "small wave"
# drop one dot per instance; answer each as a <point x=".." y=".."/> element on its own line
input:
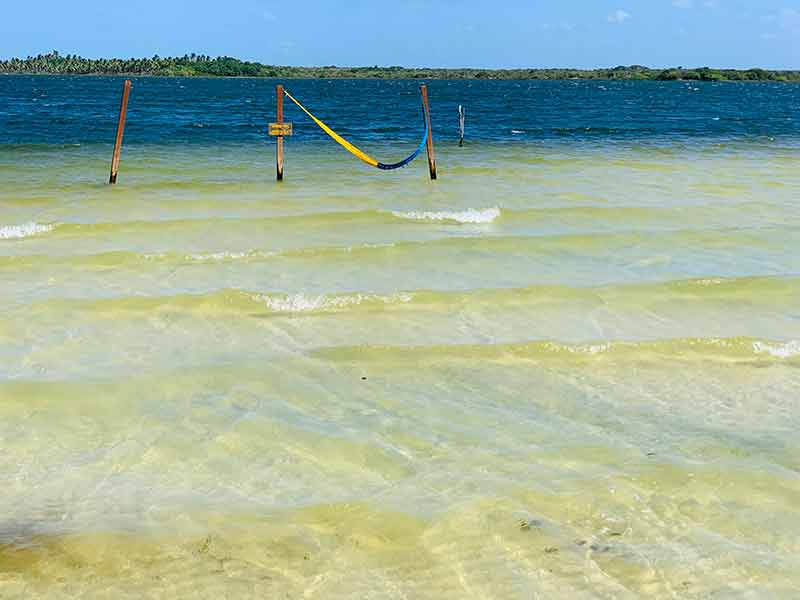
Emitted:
<point x="472" y="215"/>
<point x="787" y="350"/>
<point x="232" y="302"/>
<point x="301" y="303"/>
<point x="723" y="350"/>
<point x="654" y="299"/>
<point x="13" y="232"/>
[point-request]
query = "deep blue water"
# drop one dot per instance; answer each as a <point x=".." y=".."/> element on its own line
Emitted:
<point x="70" y="110"/>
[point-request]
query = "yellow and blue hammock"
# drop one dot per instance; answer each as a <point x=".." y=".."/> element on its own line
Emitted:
<point x="360" y="153"/>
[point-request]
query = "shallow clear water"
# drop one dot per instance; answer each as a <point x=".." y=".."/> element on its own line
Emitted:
<point x="569" y="368"/>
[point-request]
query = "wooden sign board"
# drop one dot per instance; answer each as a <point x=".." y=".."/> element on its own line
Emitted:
<point x="280" y="129"/>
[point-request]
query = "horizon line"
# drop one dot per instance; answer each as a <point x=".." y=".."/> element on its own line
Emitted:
<point x="404" y="67"/>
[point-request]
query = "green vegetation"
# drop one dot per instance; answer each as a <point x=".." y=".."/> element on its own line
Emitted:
<point x="224" y="66"/>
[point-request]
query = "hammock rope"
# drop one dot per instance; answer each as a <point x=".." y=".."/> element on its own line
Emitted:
<point x="357" y="152"/>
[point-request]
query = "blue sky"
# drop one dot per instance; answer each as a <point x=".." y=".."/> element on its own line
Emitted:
<point x="449" y="33"/>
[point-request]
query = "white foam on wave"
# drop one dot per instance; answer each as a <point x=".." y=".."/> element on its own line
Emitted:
<point x="227" y="256"/>
<point x="350" y="249"/>
<point x="581" y="348"/>
<point x="706" y="282"/>
<point x="301" y="303"/>
<point x="472" y="215"/>
<point x="787" y="350"/>
<point x="15" y="232"/>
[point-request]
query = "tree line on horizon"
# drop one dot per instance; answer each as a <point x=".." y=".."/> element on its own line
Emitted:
<point x="201" y="65"/>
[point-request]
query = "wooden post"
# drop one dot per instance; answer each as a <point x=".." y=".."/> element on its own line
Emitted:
<point x="123" y="110"/>
<point x="462" y="115"/>
<point x="431" y="156"/>
<point x="279" y="147"/>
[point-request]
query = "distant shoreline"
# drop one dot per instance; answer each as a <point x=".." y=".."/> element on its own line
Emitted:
<point x="205" y="66"/>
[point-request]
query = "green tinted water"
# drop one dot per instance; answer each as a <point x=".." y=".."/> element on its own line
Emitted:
<point x="560" y="371"/>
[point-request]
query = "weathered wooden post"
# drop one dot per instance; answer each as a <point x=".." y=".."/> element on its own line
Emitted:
<point x="431" y="156"/>
<point x="123" y="110"/>
<point x="279" y="147"/>
<point x="462" y="115"/>
<point x="279" y="130"/>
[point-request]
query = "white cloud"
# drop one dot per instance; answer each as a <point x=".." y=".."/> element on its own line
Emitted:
<point x="269" y="16"/>
<point x="790" y="20"/>
<point x="683" y="3"/>
<point x="789" y="13"/>
<point x="787" y="20"/>
<point x="619" y="16"/>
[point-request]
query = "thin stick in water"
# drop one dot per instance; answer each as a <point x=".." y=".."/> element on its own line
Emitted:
<point x="123" y="110"/>
<point x="462" y="115"/>
<point x="431" y="155"/>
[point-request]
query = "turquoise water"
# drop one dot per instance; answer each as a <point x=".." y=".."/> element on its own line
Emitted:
<point x="568" y="368"/>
